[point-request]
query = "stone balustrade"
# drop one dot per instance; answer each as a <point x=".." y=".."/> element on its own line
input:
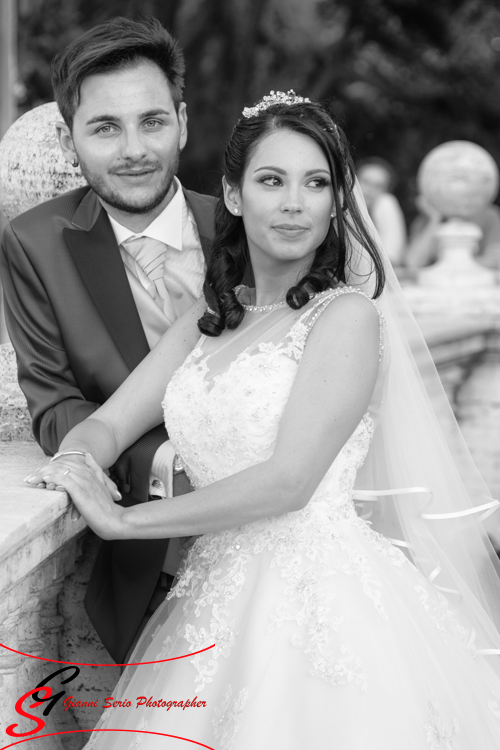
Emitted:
<point x="45" y="557"/>
<point x="45" y="563"/>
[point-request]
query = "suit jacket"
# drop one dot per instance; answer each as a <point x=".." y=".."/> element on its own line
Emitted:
<point x="77" y="335"/>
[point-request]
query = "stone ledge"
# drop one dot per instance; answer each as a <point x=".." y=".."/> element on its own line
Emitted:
<point x="35" y="523"/>
<point x="452" y="340"/>
<point x="15" y="421"/>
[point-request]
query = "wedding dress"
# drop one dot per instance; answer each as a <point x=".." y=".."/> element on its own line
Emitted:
<point x="325" y="634"/>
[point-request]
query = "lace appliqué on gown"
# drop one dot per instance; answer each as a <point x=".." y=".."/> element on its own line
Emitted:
<point x="440" y="733"/>
<point x="228" y="717"/>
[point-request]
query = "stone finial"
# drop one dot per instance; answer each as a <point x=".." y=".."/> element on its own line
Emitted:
<point x="459" y="179"/>
<point x="32" y="167"/>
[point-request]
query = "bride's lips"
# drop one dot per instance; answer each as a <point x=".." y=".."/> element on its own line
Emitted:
<point x="290" y="230"/>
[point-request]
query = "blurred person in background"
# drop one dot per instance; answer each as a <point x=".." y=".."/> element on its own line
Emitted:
<point x="377" y="178"/>
<point x="423" y="246"/>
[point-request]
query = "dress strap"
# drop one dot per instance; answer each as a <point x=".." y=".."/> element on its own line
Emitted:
<point x="306" y="321"/>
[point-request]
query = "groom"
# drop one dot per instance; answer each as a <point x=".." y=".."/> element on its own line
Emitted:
<point x="93" y="278"/>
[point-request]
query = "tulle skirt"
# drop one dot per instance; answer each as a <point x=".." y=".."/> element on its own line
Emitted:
<point x="326" y="636"/>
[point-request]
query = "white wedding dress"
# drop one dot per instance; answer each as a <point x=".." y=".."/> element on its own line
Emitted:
<point x="326" y="635"/>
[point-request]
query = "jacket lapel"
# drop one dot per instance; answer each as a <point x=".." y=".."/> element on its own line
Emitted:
<point x="93" y="247"/>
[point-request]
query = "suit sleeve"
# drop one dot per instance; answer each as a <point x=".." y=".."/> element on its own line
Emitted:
<point x="55" y="401"/>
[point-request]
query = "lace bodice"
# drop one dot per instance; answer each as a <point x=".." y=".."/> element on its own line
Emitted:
<point x="224" y="424"/>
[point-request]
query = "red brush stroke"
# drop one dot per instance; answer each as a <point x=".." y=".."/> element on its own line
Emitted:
<point x="132" y="731"/>
<point x="84" y="664"/>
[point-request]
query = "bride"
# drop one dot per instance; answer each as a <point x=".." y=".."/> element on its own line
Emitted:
<point x="308" y="627"/>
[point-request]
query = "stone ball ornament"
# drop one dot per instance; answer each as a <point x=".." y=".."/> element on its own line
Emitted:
<point x="459" y="179"/>
<point x="32" y="167"/>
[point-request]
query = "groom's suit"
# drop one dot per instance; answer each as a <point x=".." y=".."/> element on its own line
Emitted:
<point x="77" y="334"/>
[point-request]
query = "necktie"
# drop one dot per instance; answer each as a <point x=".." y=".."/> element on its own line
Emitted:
<point x="149" y="255"/>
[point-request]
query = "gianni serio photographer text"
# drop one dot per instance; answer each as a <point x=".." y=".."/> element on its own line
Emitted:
<point x="44" y="695"/>
<point x="141" y="700"/>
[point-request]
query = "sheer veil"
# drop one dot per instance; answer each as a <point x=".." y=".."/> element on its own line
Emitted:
<point x="419" y="485"/>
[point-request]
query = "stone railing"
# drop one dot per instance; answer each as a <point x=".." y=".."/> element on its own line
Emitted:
<point x="45" y="557"/>
<point x="45" y="563"/>
<point x="467" y="355"/>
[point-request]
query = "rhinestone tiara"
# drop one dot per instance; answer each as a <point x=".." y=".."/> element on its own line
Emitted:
<point x="275" y="97"/>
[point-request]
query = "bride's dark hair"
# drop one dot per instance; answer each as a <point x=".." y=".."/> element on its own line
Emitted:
<point x="230" y="256"/>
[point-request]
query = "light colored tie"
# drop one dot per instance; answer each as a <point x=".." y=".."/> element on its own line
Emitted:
<point x="149" y="255"/>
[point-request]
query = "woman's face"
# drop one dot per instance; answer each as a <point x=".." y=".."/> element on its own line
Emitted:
<point x="286" y="200"/>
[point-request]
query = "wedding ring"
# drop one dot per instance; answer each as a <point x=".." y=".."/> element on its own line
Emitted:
<point x="66" y="472"/>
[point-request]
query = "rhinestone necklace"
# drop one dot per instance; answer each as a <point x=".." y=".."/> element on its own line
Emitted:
<point x="257" y="308"/>
<point x="263" y="308"/>
<point x="266" y="308"/>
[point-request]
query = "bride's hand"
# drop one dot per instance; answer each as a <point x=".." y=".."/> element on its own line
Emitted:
<point x="44" y="477"/>
<point x="89" y="493"/>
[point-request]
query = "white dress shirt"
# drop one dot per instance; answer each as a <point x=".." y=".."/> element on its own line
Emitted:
<point x="184" y="265"/>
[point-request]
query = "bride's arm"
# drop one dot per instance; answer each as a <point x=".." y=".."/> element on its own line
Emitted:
<point x="331" y="392"/>
<point x="135" y="407"/>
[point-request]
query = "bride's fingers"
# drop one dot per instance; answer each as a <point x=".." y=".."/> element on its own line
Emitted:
<point x="111" y="487"/>
<point x="84" y="489"/>
<point x="103" y="477"/>
<point x="92" y="499"/>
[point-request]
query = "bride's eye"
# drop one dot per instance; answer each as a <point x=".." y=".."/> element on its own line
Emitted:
<point x="271" y="180"/>
<point x="319" y="182"/>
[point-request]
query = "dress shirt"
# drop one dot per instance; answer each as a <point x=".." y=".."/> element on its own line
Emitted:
<point x="184" y="269"/>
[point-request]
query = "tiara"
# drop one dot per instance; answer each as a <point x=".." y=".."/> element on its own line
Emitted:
<point x="275" y="97"/>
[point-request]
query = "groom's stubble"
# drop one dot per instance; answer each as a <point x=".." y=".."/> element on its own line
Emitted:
<point x="113" y="197"/>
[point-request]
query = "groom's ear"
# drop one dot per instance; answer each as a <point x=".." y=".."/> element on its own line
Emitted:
<point x="232" y="197"/>
<point x="66" y="141"/>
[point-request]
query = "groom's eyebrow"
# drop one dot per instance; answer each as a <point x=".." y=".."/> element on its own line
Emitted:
<point x="113" y="118"/>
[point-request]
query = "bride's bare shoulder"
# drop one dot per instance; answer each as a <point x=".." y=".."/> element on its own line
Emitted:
<point x="350" y="317"/>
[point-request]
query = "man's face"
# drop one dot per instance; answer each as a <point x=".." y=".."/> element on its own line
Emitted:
<point x="127" y="137"/>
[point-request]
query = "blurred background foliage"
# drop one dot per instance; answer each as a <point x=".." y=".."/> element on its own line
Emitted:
<point x="401" y="75"/>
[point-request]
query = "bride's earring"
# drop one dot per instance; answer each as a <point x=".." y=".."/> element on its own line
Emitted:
<point x="236" y="210"/>
<point x="74" y="163"/>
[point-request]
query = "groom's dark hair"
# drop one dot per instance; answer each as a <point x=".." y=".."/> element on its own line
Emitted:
<point x="114" y="45"/>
